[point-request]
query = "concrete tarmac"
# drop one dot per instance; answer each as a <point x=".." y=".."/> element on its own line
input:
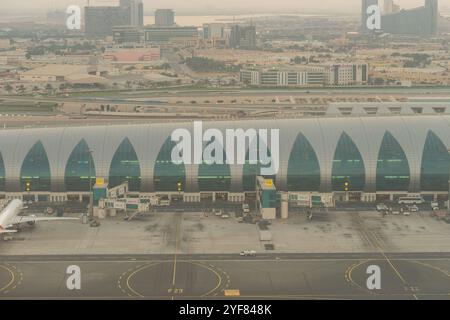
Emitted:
<point x="265" y="276"/>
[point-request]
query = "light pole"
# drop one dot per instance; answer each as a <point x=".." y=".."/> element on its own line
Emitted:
<point x="91" y="197"/>
<point x="448" y="201"/>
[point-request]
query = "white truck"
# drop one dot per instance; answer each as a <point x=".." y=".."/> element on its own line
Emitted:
<point x="248" y="253"/>
<point x="434" y="205"/>
<point x="411" y="200"/>
<point x="217" y="212"/>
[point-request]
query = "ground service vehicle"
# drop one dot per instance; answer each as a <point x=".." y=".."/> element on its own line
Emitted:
<point x="411" y="200"/>
<point x="248" y="253"/>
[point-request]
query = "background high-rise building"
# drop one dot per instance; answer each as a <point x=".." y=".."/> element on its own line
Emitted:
<point x="135" y="11"/>
<point x="164" y="17"/>
<point x="128" y="34"/>
<point x="216" y="35"/>
<point x="419" y="21"/>
<point x="432" y="8"/>
<point x="388" y="7"/>
<point x="243" y="37"/>
<point x="213" y="30"/>
<point x="186" y="36"/>
<point x="99" y="21"/>
<point x="364" y="15"/>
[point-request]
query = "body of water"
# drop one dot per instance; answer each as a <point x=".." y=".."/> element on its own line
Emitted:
<point x="198" y="21"/>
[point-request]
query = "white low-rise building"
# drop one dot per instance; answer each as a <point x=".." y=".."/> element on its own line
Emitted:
<point x="308" y="75"/>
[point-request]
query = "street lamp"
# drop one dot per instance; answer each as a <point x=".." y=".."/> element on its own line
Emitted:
<point x="448" y="201"/>
<point x="91" y="197"/>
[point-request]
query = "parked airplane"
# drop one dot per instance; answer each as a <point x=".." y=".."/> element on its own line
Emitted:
<point x="9" y="217"/>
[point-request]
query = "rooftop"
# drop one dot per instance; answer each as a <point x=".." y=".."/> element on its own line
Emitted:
<point x="62" y="70"/>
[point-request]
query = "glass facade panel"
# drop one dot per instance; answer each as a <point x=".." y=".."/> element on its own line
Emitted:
<point x="2" y="174"/>
<point x="392" y="166"/>
<point x="35" y="171"/>
<point x="303" y="167"/>
<point x="251" y="171"/>
<point x="214" y="177"/>
<point x="167" y="175"/>
<point x="125" y="167"/>
<point x="435" y="165"/>
<point x="348" y="166"/>
<point x="80" y="169"/>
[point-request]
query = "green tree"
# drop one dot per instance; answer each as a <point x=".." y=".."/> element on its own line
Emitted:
<point x="49" y="87"/>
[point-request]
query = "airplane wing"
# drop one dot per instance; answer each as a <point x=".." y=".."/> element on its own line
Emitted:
<point x="24" y="219"/>
<point x="7" y="231"/>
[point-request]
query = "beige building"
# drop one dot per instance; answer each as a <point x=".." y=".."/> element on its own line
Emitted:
<point x="12" y="58"/>
<point x="413" y="75"/>
<point x="5" y="43"/>
<point x="346" y="74"/>
<point x="56" y="72"/>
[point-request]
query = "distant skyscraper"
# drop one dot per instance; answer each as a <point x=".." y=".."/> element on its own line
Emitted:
<point x="135" y="11"/>
<point x="418" y="21"/>
<point x="99" y="21"/>
<point x="432" y="8"/>
<point x="164" y="17"/>
<point x="388" y="7"/>
<point x="213" y="30"/>
<point x="243" y="37"/>
<point x="364" y="16"/>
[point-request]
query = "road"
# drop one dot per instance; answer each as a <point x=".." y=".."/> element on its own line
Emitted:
<point x="179" y="68"/>
<point x="266" y="276"/>
<point x="116" y="97"/>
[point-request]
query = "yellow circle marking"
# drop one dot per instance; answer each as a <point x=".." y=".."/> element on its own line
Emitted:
<point x="350" y="270"/>
<point x="13" y="277"/>
<point x="217" y="275"/>
<point x="139" y="269"/>
<point x="136" y="271"/>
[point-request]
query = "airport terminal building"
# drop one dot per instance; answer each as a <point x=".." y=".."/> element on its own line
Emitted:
<point x="347" y="159"/>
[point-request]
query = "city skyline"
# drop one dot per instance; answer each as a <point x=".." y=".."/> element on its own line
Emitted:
<point x="205" y="7"/>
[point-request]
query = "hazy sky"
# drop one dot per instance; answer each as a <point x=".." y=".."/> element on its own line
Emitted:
<point x="205" y="6"/>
